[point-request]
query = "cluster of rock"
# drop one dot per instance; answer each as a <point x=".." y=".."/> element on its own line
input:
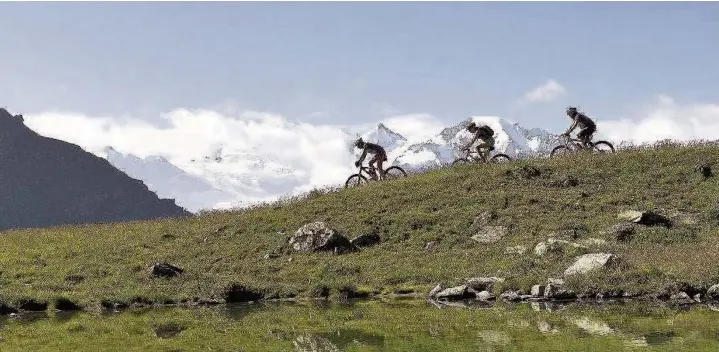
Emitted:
<point x="319" y="237"/>
<point x="481" y="288"/>
<point x="565" y="242"/>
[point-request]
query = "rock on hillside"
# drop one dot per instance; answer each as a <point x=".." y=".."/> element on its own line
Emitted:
<point x="48" y="182"/>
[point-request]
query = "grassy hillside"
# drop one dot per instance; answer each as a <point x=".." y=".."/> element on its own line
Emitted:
<point x="91" y="264"/>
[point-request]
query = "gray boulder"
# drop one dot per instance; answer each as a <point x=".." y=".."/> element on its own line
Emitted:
<point x="366" y="240"/>
<point x="552" y="245"/>
<point x="165" y="270"/>
<point x="622" y="232"/>
<point x="510" y="296"/>
<point x="590" y="262"/>
<point x="537" y="291"/>
<point x="713" y="292"/>
<point x="317" y="236"/>
<point x="490" y="234"/>
<point x="484" y="296"/>
<point x="555" y="289"/>
<point x="646" y="218"/>
<point x="431" y="246"/>
<point x="705" y="170"/>
<point x="483" y="219"/>
<point x="458" y="292"/>
<point x="437" y="289"/>
<point x="483" y="283"/>
<point x="681" y="297"/>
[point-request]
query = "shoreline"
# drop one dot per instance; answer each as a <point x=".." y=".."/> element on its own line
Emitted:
<point x="650" y="299"/>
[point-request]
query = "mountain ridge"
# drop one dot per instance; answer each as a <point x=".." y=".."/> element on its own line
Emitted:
<point x="49" y="182"/>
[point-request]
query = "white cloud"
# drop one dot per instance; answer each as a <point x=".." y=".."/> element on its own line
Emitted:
<point x="545" y="92"/>
<point x="665" y="120"/>
<point x="320" y="155"/>
<point x="415" y="127"/>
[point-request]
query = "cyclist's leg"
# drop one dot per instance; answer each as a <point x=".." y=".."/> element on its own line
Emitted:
<point x="490" y="146"/>
<point x="585" y="135"/>
<point x="380" y="169"/>
<point x="480" y="153"/>
<point x="481" y="148"/>
<point x="372" y="170"/>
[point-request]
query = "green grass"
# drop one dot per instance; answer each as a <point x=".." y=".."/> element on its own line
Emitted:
<point x="95" y="263"/>
<point x="372" y="326"/>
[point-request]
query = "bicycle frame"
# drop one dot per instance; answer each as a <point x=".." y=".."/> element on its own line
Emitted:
<point x="575" y="143"/>
<point x="366" y="171"/>
<point x="475" y="156"/>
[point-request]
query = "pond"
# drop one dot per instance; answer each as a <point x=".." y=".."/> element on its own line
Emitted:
<point x="373" y="325"/>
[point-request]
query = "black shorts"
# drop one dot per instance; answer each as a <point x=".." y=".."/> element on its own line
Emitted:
<point x="380" y="156"/>
<point x="587" y="132"/>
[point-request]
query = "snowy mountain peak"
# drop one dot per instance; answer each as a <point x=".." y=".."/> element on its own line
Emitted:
<point x="385" y="137"/>
<point x="109" y="150"/>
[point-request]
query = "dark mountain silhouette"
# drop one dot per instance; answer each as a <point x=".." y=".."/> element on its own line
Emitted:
<point x="48" y="182"/>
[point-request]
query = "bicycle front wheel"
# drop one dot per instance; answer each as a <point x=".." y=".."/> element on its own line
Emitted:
<point x="461" y="161"/>
<point x="500" y="158"/>
<point x="560" y="151"/>
<point x="355" y="180"/>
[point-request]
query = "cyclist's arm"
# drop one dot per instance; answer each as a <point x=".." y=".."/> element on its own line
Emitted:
<point x="572" y="127"/>
<point x="364" y="155"/>
<point x="472" y="142"/>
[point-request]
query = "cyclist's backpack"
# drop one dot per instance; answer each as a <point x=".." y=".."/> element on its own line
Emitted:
<point x="487" y="130"/>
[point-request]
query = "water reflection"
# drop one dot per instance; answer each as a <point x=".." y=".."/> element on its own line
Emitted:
<point x="379" y="325"/>
<point x="343" y="338"/>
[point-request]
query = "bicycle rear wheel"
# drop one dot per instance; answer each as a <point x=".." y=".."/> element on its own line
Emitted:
<point x="603" y="147"/>
<point x="394" y="172"/>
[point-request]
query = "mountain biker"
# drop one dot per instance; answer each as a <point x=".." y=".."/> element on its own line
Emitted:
<point x="586" y="125"/>
<point x="483" y="133"/>
<point x="380" y="156"/>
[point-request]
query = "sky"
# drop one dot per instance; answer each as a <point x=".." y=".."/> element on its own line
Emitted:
<point x="346" y="62"/>
<point x="107" y="73"/>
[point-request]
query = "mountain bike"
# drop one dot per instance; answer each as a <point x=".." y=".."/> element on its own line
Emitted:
<point x="359" y="178"/>
<point x="573" y="145"/>
<point x="473" y="157"/>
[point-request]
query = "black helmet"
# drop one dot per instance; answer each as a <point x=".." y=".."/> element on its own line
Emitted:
<point x="359" y="143"/>
<point x="471" y="125"/>
<point x="571" y="110"/>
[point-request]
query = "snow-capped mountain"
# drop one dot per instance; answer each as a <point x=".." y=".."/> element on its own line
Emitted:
<point x="229" y="177"/>
<point x="168" y="181"/>
<point x="224" y="179"/>
<point x="385" y="137"/>
<point x="246" y="177"/>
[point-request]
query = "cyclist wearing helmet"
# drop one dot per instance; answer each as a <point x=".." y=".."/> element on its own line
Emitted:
<point x="483" y="133"/>
<point x="586" y="125"/>
<point x="380" y="156"/>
